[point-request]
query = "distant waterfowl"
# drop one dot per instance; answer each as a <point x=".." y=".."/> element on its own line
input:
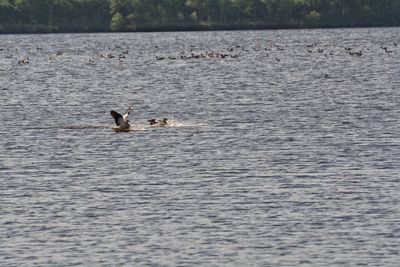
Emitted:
<point x="191" y="55"/>
<point x="195" y="56"/>
<point x="158" y="123"/>
<point x="386" y="49"/>
<point x="23" y="61"/>
<point x="121" y="121"/>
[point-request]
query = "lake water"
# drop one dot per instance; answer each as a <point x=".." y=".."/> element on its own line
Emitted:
<point x="283" y="149"/>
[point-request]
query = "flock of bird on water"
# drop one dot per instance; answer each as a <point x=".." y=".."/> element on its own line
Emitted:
<point x="122" y="121"/>
<point x="189" y="53"/>
<point x="238" y="51"/>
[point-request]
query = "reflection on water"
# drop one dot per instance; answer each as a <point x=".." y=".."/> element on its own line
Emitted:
<point x="282" y="149"/>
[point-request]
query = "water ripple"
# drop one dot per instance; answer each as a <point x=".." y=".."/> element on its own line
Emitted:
<point x="278" y="154"/>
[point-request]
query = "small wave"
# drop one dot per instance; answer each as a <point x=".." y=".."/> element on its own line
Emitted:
<point x="135" y="127"/>
<point x="86" y="126"/>
<point x="175" y="123"/>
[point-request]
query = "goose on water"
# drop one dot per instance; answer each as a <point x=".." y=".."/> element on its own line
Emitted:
<point x="158" y="123"/>
<point x="121" y="121"/>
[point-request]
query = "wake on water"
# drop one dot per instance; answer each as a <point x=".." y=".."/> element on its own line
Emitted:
<point x="136" y="127"/>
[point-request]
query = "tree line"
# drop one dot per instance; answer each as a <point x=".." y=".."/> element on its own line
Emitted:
<point x="37" y="16"/>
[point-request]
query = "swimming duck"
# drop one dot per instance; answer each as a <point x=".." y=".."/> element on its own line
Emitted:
<point x="121" y="121"/>
<point x="158" y="123"/>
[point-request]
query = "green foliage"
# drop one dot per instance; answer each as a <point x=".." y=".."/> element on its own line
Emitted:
<point x="313" y="18"/>
<point x="132" y="15"/>
<point x="7" y="12"/>
<point x="117" y="22"/>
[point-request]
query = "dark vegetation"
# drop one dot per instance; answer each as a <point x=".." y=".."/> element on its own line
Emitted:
<point x="39" y="16"/>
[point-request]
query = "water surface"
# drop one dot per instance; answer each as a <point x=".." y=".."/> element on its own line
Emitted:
<point x="283" y="149"/>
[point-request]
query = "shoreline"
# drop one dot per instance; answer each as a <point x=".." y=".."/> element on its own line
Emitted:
<point x="41" y="29"/>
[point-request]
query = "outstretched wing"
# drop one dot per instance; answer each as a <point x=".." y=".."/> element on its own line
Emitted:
<point x="117" y="117"/>
<point x="126" y="114"/>
<point x="128" y="110"/>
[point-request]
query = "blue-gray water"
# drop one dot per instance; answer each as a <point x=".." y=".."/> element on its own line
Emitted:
<point x="280" y="154"/>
